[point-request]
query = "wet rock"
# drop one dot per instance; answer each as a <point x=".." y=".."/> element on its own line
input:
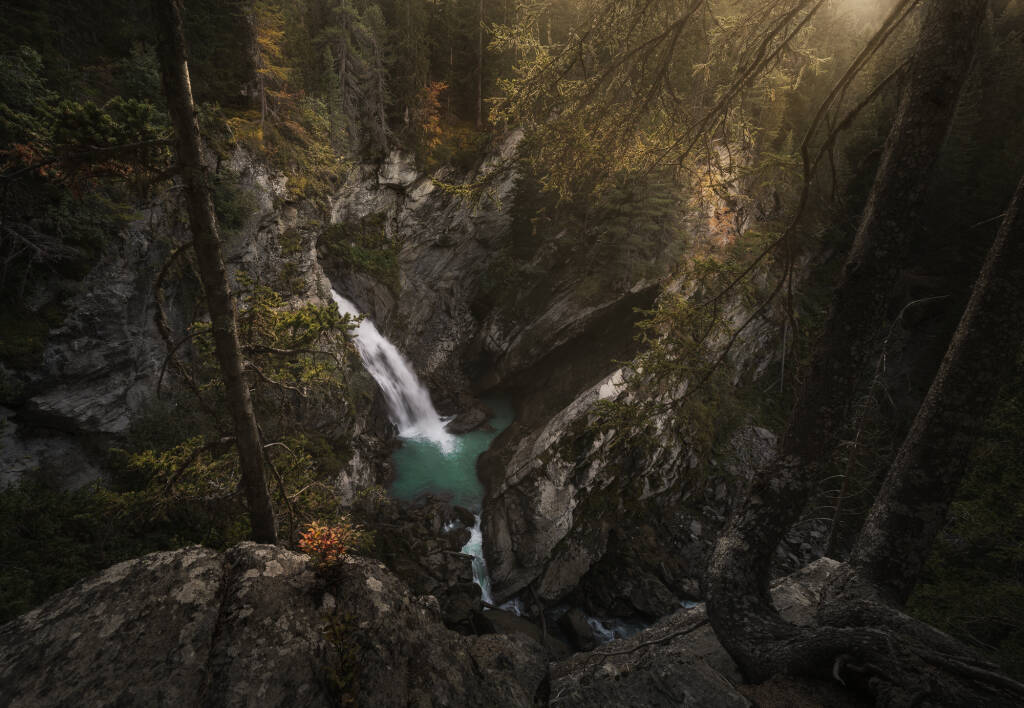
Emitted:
<point x="581" y="634"/>
<point x="468" y="421"/>
<point x="253" y="626"/>
<point x="458" y="538"/>
<point x="511" y="624"/>
<point x="421" y="543"/>
<point x="467" y="517"/>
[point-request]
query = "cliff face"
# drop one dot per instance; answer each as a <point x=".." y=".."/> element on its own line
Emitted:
<point x="621" y="516"/>
<point x="567" y="509"/>
<point x="560" y="497"/>
<point x="105" y="363"/>
<point x="557" y="340"/>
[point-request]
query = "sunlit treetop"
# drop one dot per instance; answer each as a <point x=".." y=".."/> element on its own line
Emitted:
<point x="644" y="85"/>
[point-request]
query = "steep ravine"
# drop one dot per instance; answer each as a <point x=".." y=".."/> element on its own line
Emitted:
<point x="563" y="508"/>
<point x="446" y="244"/>
<point x="548" y="519"/>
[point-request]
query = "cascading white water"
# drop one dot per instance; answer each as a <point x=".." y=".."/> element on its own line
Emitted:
<point x="475" y="548"/>
<point x="413" y="413"/>
<point x="408" y="400"/>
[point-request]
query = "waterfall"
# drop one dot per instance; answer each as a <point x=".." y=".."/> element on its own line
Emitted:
<point x="407" y="398"/>
<point x="475" y="547"/>
<point x="413" y="413"/>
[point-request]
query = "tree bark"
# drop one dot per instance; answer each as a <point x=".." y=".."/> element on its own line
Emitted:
<point x="738" y="602"/>
<point x="206" y="242"/>
<point x="912" y="505"/>
<point x="480" y="69"/>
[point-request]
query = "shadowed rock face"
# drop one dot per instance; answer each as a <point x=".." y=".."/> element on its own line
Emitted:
<point x="100" y="369"/>
<point x="678" y="661"/>
<point x="253" y="626"/>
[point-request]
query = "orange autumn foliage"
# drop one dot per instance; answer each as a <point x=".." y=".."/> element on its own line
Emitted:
<point x="327" y="545"/>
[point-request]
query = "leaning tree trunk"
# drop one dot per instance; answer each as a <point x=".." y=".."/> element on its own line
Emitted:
<point x="206" y="242"/>
<point x="911" y="507"/>
<point x="920" y="485"/>
<point x="739" y="605"/>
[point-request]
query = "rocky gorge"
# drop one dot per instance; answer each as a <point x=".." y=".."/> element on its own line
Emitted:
<point x="567" y="522"/>
<point x="535" y="353"/>
<point x="555" y="352"/>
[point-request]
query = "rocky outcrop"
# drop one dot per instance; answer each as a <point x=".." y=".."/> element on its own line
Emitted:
<point x="276" y="246"/>
<point x="555" y="498"/>
<point x="528" y="510"/>
<point x="570" y="484"/>
<point x="104" y="360"/>
<point x="445" y="244"/>
<point x="422" y="544"/>
<point x="254" y="626"/>
<point x="678" y="661"/>
<point x="101" y="368"/>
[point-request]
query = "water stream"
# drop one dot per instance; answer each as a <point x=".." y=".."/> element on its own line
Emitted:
<point x="430" y="459"/>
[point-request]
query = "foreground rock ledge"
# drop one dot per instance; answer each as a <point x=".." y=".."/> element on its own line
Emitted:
<point x="253" y="626"/>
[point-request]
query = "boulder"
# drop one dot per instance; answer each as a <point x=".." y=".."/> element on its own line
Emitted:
<point x="581" y="634"/>
<point x="511" y="624"/>
<point x="467" y="421"/>
<point x="467" y="517"/>
<point x="254" y="626"/>
<point x="421" y="543"/>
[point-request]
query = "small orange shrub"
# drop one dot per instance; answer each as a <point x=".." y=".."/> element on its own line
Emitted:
<point x="327" y="545"/>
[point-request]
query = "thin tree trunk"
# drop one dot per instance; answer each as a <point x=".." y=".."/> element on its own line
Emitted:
<point x="480" y="70"/>
<point x="738" y="573"/>
<point x="178" y="90"/>
<point x="343" y="68"/>
<point x="912" y="505"/>
<point x="263" y="105"/>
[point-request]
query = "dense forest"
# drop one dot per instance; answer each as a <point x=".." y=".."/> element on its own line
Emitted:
<point x="541" y="343"/>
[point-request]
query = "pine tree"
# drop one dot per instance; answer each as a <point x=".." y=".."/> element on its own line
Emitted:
<point x="206" y="243"/>
<point x="267" y="21"/>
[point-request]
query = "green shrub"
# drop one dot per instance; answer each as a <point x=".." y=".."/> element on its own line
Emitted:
<point x="365" y="247"/>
